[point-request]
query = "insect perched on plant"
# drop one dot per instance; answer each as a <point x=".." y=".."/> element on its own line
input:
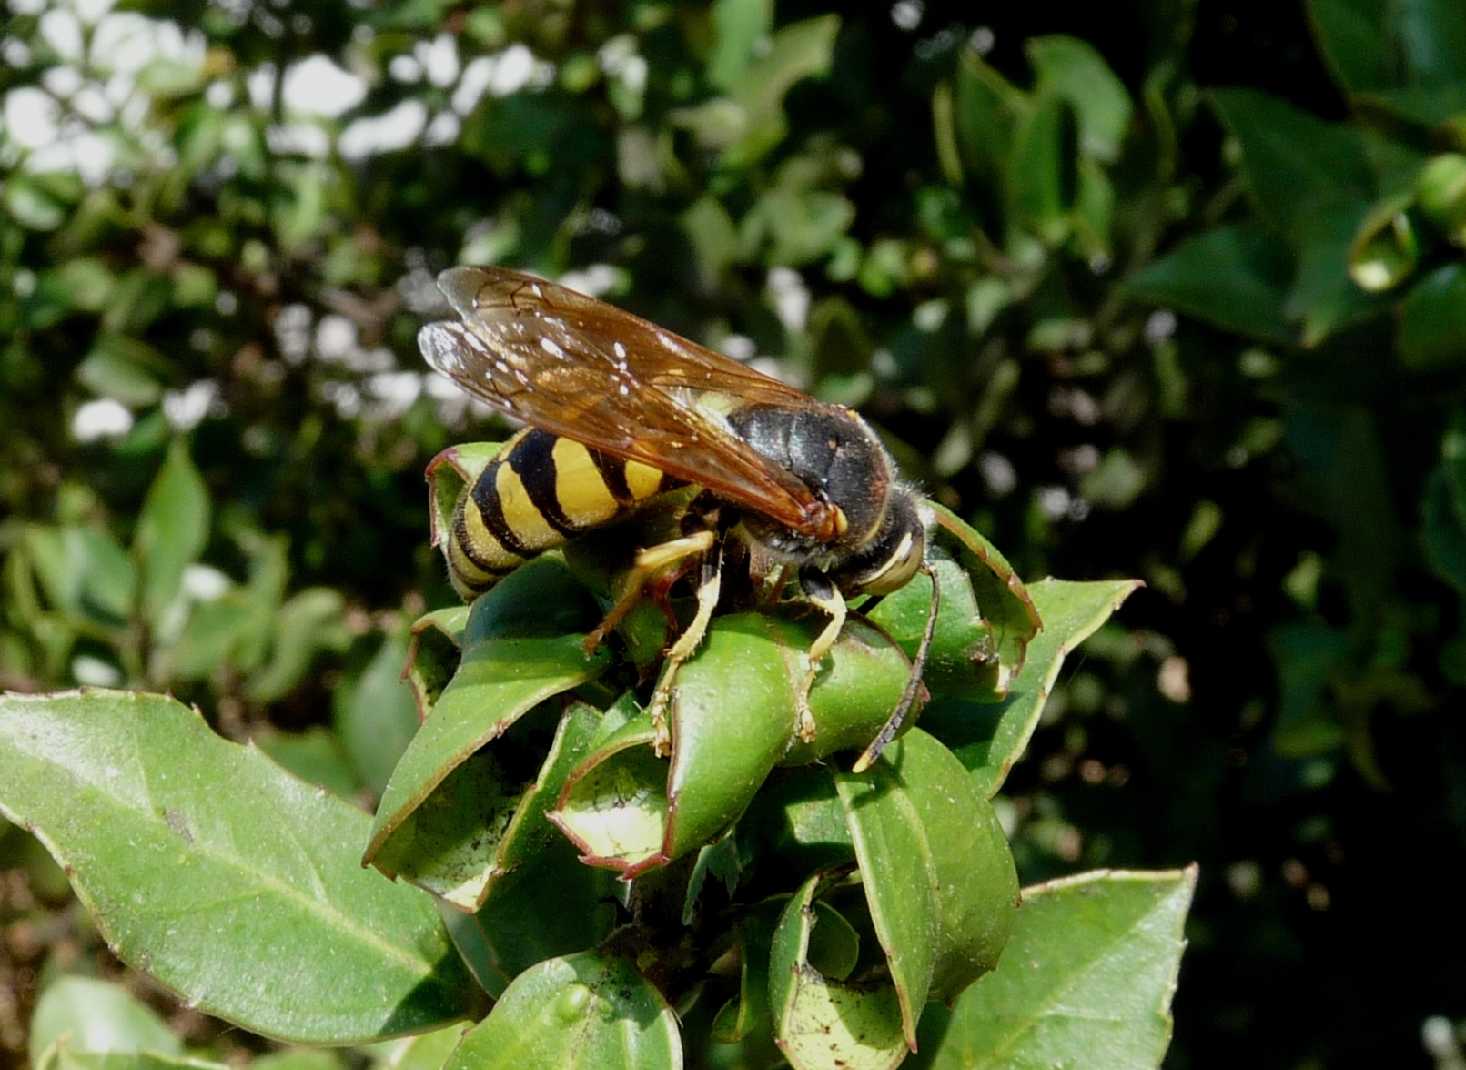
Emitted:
<point x="621" y="411"/>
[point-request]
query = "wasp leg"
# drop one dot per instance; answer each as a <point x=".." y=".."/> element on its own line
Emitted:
<point x="709" y="589"/>
<point x="914" y="686"/>
<point x="821" y="592"/>
<point x="647" y="564"/>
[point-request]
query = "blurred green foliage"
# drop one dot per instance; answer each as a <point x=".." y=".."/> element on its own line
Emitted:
<point x="1173" y="290"/>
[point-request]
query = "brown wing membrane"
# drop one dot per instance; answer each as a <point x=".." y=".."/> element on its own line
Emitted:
<point x="583" y="369"/>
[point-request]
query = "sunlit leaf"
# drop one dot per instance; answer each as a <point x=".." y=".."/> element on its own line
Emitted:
<point x="87" y="1015"/>
<point x="1086" y="980"/>
<point x="308" y="622"/>
<point x="314" y="755"/>
<point x="591" y="1011"/>
<point x="171" y="529"/>
<point x="935" y="867"/>
<point x="990" y="737"/>
<point x="228" y="880"/>
<point x="821" y="1022"/>
<point x="1073" y="69"/>
<point x="517" y="653"/>
<point x="378" y="717"/>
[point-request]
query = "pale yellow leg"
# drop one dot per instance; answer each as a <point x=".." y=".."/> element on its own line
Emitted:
<point x="647" y="564"/>
<point x="822" y="594"/>
<point x="709" y="588"/>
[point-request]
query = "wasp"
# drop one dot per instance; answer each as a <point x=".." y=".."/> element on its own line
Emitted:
<point x="619" y="412"/>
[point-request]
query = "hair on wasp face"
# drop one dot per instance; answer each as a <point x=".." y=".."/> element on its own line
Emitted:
<point x="620" y="411"/>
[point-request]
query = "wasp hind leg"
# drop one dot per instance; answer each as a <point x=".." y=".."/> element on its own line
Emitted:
<point x="822" y="594"/>
<point x="648" y="563"/>
<point x="709" y="590"/>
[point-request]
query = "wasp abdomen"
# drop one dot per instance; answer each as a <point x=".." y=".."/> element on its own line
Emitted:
<point x="538" y="492"/>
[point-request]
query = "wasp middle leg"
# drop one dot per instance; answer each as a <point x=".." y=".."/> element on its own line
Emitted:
<point x="822" y="595"/>
<point x="709" y="590"/>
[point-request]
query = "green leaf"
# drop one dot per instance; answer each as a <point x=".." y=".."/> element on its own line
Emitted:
<point x="797" y="816"/>
<point x="1072" y="69"/>
<point x="1339" y="251"/>
<point x="84" y="573"/>
<point x="192" y="855"/>
<point x="719" y="860"/>
<point x="797" y="51"/>
<point x="87" y="1015"/>
<point x="963" y="655"/>
<point x="1453" y="461"/>
<point x="1309" y="656"/>
<point x="985" y="113"/>
<point x="1385" y="250"/>
<point x="214" y="631"/>
<point x="429" y="1051"/>
<point x="820" y="1022"/>
<point x="1443" y="531"/>
<point x="989" y="738"/>
<point x="1433" y="321"/>
<point x="714" y="237"/>
<point x="1296" y="165"/>
<point x="447" y="846"/>
<point x="1351" y="33"/>
<point x="123" y="368"/>
<point x="858" y="686"/>
<point x="732" y="715"/>
<point x="1116" y="481"/>
<point x="298" y="1059"/>
<point x="314" y="755"/>
<point x="479" y="826"/>
<point x="1233" y="277"/>
<point x="834" y="945"/>
<point x="589" y="1011"/>
<point x="516" y="654"/>
<point x="798" y="226"/>
<point x="61" y="1057"/>
<point x="81" y="284"/>
<point x="1042" y="174"/>
<point x="1441" y="192"/>
<point x="376" y="721"/>
<point x="748" y="1017"/>
<point x="238" y="627"/>
<point x="732" y="718"/>
<point x="1433" y="38"/>
<point x="31" y="205"/>
<point x="549" y="905"/>
<point x="937" y="872"/>
<point x="311" y="621"/>
<point x="171" y="530"/>
<point x="739" y="28"/>
<point x="433" y="654"/>
<point x="614" y="804"/>
<point x="1086" y="980"/>
<point x="1005" y="604"/>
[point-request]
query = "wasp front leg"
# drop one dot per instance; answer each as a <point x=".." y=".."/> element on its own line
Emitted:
<point x="823" y="595"/>
<point x="709" y="590"/>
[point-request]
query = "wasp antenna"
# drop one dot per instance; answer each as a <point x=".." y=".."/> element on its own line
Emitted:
<point x="913" y="682"/>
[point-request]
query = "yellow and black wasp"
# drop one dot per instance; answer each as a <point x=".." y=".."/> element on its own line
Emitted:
<point x="621" y="411"/>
